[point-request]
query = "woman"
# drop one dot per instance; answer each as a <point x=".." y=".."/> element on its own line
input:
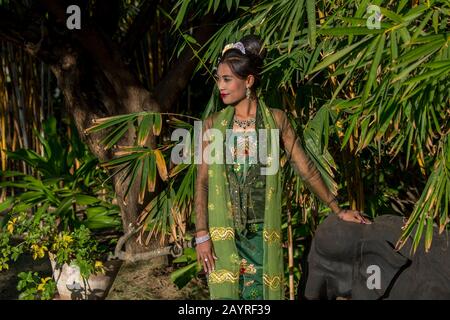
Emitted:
<point x="238" y="209"/>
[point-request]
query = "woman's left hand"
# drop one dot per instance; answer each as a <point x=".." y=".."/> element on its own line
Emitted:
<point x="353" y="216"/>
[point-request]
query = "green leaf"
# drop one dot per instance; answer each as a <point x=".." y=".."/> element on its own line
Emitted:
<point x="121" y="160"/>
<point x="144" y="129"/>
<point x="144" y="178"/>
<point x="433" y="74"/>
<point x="157" y="124"/>
<point x="436" y="21"/>
<point x="338" y="55"/>
<point x="151" y="180"/>
<point x="102" y="217"/>
<point x="298" y="9"/>
<point x="83" y="199"/>
<point x="66" y="205"/>
<point x="229" y="4"/>
<point x="182" y="13"/>
<point x="104" y="123"/>
<point x="374" y="68"/>
<point x="182" y="276"/>
<point x="6" y="203"/>
<point x="347" y="31"/>
<point x="111" y="139"/>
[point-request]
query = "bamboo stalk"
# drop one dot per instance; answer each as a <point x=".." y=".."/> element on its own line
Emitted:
<point x="290" y="246"/>
<point x="20" y="103"/>
<point x="3" y="115"/>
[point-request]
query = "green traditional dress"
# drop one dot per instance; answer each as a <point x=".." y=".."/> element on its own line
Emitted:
<point x="247" y="190"/>
<point x="245" y="220"/>
<point x="241" y="208"/>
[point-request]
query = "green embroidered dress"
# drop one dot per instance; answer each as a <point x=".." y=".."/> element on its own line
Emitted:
<point x="245" y="221"/>
<point x="247" y="190"/>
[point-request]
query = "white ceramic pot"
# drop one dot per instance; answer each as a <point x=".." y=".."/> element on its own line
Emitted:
<point x="72" y="286"/>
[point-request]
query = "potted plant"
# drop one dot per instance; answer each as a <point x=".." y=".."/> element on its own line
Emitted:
<point x="59" y="212"/>
<point x="79" y="261"/>
<point x="80" y="267"/>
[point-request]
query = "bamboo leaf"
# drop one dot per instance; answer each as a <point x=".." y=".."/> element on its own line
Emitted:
<point x="144" y="179"/>
<point x="133" y="172"/>
<point x="347" y="31"/>
<point x="433" y="74"/>
<point x="151" y="180"/>
<point x="182" y="13"/>
<point x="114" y="136"/>
<point x="338" y="55"/>
<point x="374" y="67"/>
<point x="104" y="123"/>
<point x="144" y="129"/>
<point x="349" y="131"/>
<point x="161" y="165"/>
<point x="121" y="160"/>
<point x="177" y="169"/>
<point x="311" y="14"/>
<point x="157" y="124"/>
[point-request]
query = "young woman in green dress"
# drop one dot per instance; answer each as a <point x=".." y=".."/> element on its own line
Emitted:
<point x="238" y="206"/>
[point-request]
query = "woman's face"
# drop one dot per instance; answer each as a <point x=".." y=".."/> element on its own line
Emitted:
<point x="232" y="89"/>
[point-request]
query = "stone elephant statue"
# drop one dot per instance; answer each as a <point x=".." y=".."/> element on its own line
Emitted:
<point x="357" y="261"/>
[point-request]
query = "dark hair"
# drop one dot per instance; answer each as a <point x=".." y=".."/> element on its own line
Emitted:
<point x="250" y="63"/>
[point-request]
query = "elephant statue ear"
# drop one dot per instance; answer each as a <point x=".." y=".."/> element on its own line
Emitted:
<point x="376" y="268"/>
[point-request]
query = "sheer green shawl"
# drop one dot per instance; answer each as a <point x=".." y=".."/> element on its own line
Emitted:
<point x="224" y="280"/>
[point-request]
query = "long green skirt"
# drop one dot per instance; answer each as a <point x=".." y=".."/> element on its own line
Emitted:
<point x="251" y="253"/>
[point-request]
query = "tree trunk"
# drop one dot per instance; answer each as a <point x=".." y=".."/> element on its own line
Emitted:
<point x="93" y="90"/>
<point x="95" y="80"/>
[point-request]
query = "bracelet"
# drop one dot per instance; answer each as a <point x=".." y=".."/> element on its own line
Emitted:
<point x="202" y="239"/>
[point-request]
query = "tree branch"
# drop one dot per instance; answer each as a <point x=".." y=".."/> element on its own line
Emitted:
<point x="169" y="89"/>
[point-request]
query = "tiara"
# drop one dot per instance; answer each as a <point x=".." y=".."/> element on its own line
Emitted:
<point x="237" y="45"/>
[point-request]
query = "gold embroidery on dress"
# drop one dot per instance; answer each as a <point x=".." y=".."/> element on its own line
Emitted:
<point x="211" y="206"/>
<point x="271" y="236"/>
<point x="270" y="193"/>
<point x="221" y="276"/>
<point x="273" y="282"/>
<point x="217" y="190"/>
<point x="221" y="233"/>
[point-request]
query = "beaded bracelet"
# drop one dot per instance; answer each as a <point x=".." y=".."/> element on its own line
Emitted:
<point x="202" y="239"/>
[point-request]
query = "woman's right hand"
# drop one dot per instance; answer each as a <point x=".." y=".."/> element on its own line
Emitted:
<point x="206" y="255"/>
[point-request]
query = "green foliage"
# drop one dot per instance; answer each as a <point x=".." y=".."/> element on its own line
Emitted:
<point x="79" y="248"/>
<point x="188" y="268"/>
<point x="387" y="88"/>
<point x="32" y="287"/>
<point x="69" y="183"/>
<point x="360" y="98"/>
<point x="53" y="210"/>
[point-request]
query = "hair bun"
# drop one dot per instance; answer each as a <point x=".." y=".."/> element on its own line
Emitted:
<point x="253" y="45"/>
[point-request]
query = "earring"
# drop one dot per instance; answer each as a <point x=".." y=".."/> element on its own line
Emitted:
<point x="248" y="93"/>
